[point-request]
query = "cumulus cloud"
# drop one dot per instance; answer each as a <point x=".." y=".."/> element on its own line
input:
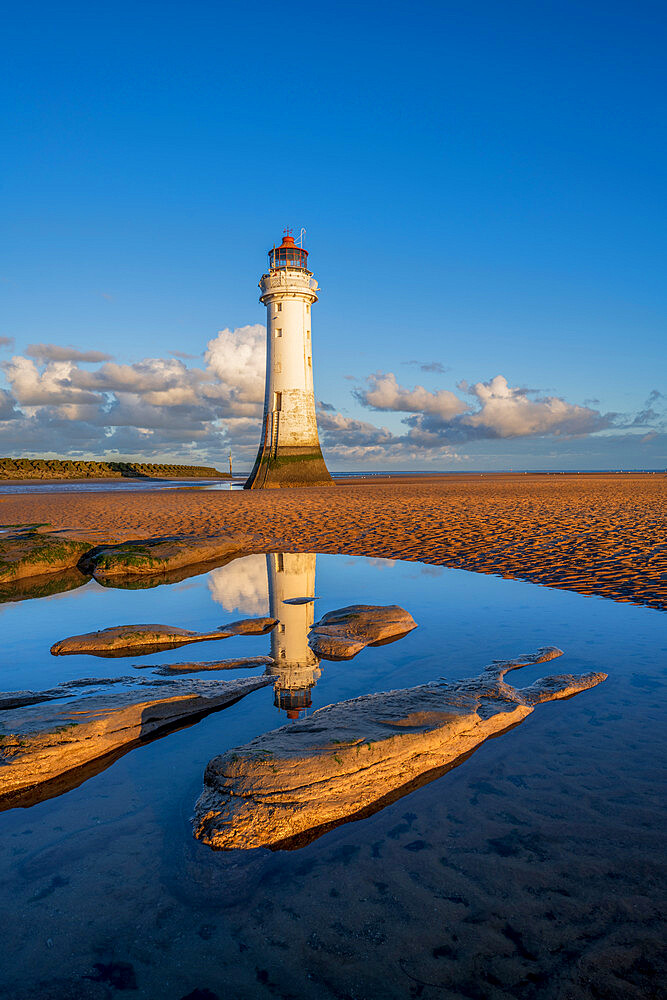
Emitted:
<point x="52" y="386"/>
<point x="384" y="393"/>
<point x="53" y="352"/>
<point x="507" y="411"/>
<point x="496" y="410"/>
<point x="154" y="407"/>
<point x="67" y="401"/>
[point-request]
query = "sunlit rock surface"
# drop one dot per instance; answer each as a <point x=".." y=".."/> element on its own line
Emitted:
<point x="153" y="556"/>
<point x="27" y="551"/>
<point x="40" y="743"/>
<point x="349" y="759"/>
<point x="124" y="640"/>
<point x="340" y="635"/>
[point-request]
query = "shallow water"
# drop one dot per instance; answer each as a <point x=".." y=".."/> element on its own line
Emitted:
<point x="534" y="869"/>
<point x="114" y="485"/>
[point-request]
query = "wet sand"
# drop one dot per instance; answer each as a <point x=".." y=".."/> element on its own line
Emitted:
<point x="597" y="534"/>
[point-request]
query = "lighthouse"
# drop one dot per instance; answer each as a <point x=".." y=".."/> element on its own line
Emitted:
<point x="289" y="451"/>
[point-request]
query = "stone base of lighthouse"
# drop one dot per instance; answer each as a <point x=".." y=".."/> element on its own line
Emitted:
<point x="286" y="466"/>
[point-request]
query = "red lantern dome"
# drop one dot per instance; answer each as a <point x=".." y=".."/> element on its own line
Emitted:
<point x="288" y="254"/>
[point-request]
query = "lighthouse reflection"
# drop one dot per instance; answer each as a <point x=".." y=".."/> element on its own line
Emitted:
<point x="291" y="577"/>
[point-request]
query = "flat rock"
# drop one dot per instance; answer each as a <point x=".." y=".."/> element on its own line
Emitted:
<point x="19" y="699"/>
<point x="125" y="640"/>
<point x="41" y="743"/>
<point x="340" y="635"/>
<point x="349" y="759"/>
<point x="240" y="663"/>
<point x="250" y="626"/>
<point x="155" y="556"/>
<point x="29" y="552"/>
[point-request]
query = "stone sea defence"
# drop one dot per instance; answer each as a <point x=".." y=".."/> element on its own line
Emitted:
<point x="341" y="634"/>
<point x="42" y="742"/>
<point x="51" y="468"/>
<point x="124" y="640"/>
<point x="349" y="759"/>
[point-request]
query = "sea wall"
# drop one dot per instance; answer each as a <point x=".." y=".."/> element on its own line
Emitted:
<point x="53" y="468"/>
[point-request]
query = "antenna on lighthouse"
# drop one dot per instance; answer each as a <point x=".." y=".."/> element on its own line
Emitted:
<point x="299" y="241"/>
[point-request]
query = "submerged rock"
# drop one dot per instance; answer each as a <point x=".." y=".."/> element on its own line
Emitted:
<point x="41" y="743"/>
<point x="26" y="552"/>
<point x="240" y="663"/>
<point x="19" y="699"/>
<point x="155" y="556"/>
<point x="124" y="640"/>
<point x="250" y="626"/>
<point x="340" y="635"/>
<point x="349" y="759"/>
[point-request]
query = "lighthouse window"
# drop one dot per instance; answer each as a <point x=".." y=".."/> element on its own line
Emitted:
<point x="307" y="309"/>
<point x="279" y="307"/>
<point x="279" y="332"/>
<point x="277" y="401"/>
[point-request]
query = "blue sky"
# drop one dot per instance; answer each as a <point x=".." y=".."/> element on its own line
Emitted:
<point x="483" y="190"/>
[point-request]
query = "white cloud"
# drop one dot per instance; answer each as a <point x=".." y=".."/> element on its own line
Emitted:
<point x="497" y="410"/>
<point x="507" y="411"/>
<point x="52" y="386"/>
<point x="384" y="393"/>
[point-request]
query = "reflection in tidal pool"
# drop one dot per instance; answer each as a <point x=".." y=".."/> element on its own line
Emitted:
<point x="533" y="869"/>
<point x="296" y="668"/>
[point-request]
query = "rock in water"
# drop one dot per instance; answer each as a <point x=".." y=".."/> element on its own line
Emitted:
<point x="349" y="759"/>
<point x="41" y="743"/>
<point x="125" y="640"/>
<point x="250" y="626"/>
<point x="152" y="556"/>
<point x="341" y="634"/>
<point x="28" y="552"/>
<point x="169" y="669"/>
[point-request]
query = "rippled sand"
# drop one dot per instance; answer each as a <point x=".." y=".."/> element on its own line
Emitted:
<point x="596" y="534"/>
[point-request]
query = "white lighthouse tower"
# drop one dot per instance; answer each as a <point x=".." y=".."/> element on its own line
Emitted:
<point x="289" y="451"/>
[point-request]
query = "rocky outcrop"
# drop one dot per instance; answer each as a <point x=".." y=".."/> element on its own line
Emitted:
<point x="340" y="635"/>
<point x="157" y="556"/>
<point x="26" y="552"/>
<point x="126" y="640"/>
<point x="40" y="744"/>
<point x="240" y="663"/>
<point x="348" y="760"/>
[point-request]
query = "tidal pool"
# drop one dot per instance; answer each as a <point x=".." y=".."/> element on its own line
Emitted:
<point x="533" y="869"/>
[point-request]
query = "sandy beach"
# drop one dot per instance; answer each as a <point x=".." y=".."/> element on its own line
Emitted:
<point x="592" y="533"/>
